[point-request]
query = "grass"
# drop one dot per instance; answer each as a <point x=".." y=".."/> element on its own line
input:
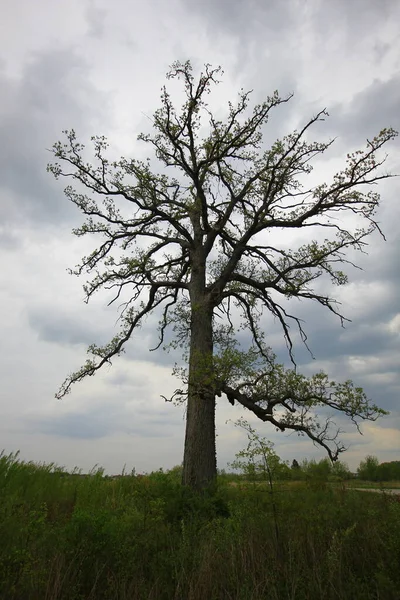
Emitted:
<point x="69" y="537"/>
<point x="379" y="485"/>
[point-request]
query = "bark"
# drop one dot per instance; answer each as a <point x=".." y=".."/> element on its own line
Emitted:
<point x="199" y="460"/>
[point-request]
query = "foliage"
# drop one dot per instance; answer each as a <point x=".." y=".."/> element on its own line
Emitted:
<point x="264" y="390"/>
<point x="389" y="471"/>
<point x="368" y="468"/>
<point x="76" y="537"/>
<point x="322" y="471"/>
<point x="259" y="461"/>
<point x="340" y="471"/>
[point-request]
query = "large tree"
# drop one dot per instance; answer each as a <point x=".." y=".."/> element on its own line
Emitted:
<point x="191" y="242"/>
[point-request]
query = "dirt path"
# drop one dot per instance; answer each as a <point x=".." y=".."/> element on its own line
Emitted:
<point x="379" y="490"/>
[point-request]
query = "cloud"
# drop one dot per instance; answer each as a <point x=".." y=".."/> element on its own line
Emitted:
<point x="239" y="18"/>
<point x="370" y="110"/>
<point x="377" y="440"/>
<point x="80" y="65"/>
<point x="52" y="93"/>
<point x="96" y="19"/>
<point x="102" y="422"/>
<point x="54" y="325"/>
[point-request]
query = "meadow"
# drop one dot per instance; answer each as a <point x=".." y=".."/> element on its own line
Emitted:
<point x="73" y="537"/>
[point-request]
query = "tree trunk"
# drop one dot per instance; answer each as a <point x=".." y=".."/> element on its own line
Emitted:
<point x="199" y="460"/>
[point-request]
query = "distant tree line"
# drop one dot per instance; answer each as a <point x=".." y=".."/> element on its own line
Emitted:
<point x="323" y="470"/>
<point x="371" y="470"/>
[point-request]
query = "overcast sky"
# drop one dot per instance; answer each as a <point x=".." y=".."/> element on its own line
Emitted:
<point x="98" y="66"/>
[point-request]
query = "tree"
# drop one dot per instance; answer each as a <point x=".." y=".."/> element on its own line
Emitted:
<point x="259" y="459"/>
<point x="369" y="468"/>
<point x="340" y="470"/>
<point x="389" y="471"/>
<point x="318" y="470"/>
<point x="194" y="247"/>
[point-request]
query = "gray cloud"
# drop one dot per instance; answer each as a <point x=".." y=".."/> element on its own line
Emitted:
<point x="292" y="45"/>
<point x="79" y="426"/>
<point x="371" y="110"/>
<point x="95" y="426"/>
<point x="356" y="18"/>
<point x="260" y="34"/>
<point x="57" y="326"/>
<point x="97" y="325"/>
<point x="276" y="24"/>
<point x="108" y="418"/>
<point x="53" y="93"/>
<point x="9" y="240"/>
<point x="246" y="19"/>
<point x="97" y="20"/>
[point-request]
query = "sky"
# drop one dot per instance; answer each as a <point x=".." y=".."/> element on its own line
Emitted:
<point x="98" y="67"/>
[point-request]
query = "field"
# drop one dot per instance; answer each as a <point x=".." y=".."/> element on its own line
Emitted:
<point x="75" y="537"/>
<point x="375" y="485"/>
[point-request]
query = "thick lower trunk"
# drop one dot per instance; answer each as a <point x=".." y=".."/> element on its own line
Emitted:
<point x="199" y="461"/>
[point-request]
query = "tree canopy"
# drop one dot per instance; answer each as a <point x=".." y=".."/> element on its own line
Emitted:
<point x="189" y="240"/>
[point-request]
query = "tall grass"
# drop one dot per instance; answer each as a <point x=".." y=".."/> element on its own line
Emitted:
<point x="73" y="537"/>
